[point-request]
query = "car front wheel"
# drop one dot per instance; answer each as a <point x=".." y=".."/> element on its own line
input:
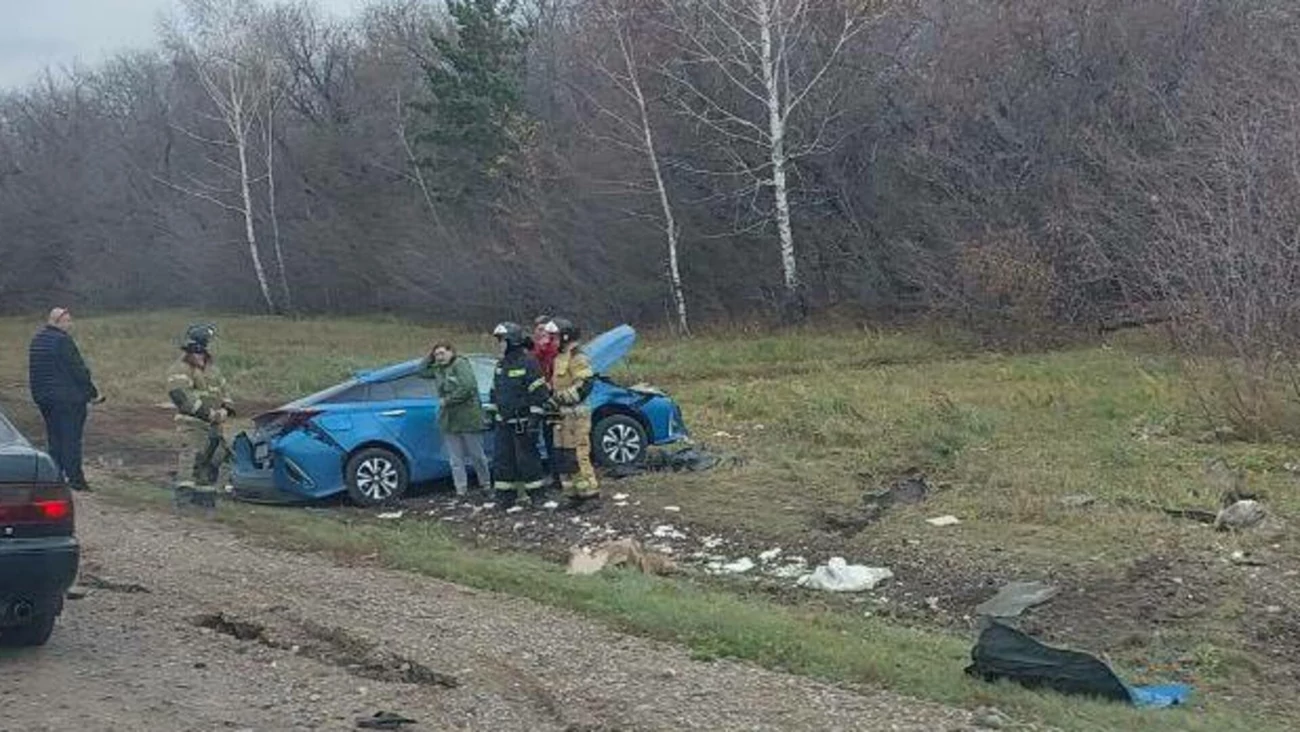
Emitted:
<point x="376" y="476"/>
<point x="619" y="440"/>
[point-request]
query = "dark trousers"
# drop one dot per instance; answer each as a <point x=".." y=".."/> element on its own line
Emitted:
<point x="65" y="423"/>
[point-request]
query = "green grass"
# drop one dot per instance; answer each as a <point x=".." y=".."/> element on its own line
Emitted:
<point x="713" y="624"/>
<point x="819" y="416"/>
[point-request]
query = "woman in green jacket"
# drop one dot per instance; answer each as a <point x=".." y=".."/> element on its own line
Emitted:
<point x="460" y="418"/>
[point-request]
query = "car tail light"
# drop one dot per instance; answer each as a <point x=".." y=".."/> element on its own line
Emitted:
<point x="33" y="510"/>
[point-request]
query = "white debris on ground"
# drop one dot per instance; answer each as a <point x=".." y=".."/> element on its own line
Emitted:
<point x="739" y="566"/>
<point x="943" y="521"/>
<point x="673" y="509"/>
<point x="837" y="575"/>
<point x="667" y="531"/>
<point x="550" y="505"/>
<point x="770" y="555"/>
<point x="620" y="496"/>
<point x="713" y="542"/>
<point x="794" y="568"/>
<point x="515" y="509"/>
<point x="392" y="515"/>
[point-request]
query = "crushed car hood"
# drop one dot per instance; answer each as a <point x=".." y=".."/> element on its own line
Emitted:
<point x="610" y="347"/>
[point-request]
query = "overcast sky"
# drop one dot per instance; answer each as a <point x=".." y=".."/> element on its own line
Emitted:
<point x="39" y="33"/>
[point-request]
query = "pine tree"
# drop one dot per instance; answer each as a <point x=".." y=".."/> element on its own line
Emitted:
<point x="476" y="124"/>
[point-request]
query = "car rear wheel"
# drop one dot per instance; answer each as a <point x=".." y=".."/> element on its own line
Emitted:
<point x="376" y="476"/>
<point x="34" y="633"/>
<point x="619" y="440"/>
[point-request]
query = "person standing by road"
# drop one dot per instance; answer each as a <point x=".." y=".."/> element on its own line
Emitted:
<point x="460" y="416"/>
<point x="571" y="383"/>
<point x="61" y="386"/>
<point x="198" y="391"/>
<point x="518" y="392"/>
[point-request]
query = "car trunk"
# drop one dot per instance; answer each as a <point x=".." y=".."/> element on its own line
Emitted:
<point x="34" y="501"/>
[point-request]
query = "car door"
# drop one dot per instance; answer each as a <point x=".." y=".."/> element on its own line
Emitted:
<point x="407" y="408"/>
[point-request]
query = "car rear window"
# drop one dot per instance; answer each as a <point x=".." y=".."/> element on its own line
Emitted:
<point x="8" y="433"/>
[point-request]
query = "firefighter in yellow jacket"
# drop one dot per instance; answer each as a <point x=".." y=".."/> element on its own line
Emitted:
<point x="198" y="391"/>
<point x="572" y="380"/>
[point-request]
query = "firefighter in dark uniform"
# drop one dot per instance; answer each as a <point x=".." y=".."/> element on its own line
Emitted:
<point x="518" y="392"/>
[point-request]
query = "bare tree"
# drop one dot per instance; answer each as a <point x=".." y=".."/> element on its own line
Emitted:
<point x="218" y="41"/>
<point x="622" y="68"/>
<point x="769" y="57"/>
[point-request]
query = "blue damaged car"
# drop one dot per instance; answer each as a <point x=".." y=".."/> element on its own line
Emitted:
<point x="376" y="434"/>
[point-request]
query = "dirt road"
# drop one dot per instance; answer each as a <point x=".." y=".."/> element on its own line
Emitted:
<point x="186" y="627"/>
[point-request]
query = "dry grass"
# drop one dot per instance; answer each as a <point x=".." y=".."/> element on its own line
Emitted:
<point x="821" y="416"/>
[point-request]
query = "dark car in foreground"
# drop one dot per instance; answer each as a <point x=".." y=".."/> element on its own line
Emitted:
<point x="374" y="435"/>
<point x="38" y="548"/>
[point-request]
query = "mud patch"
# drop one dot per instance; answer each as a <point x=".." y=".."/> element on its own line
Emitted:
<point x="332" y="646"/>
<point x="364" y="659"/>
<point x="240" y="629"/>
<point x="107" y="585"/>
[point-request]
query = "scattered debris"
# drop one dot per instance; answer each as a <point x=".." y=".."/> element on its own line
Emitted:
<point x="620" y="496"/>
<point x="721" y="435"/>
<point x="391" y="515"/>
<point x="383" y="720"/>
<point x="914" y="487"/>
<point x="1078" y="500"/>
<point x="514" y="509"/>
<point x="713" y="542"/>
<point x="838" y="575"/>
<point x="1240" y="515"/>
<point x="689" y="459"/>
<point x="769" y="556"/>
<point x="1245" y="559"/>
<point x="943" y="521"/>
<point x="795" y="568"/>
<point x="667" y="531"/>
<point x="740" y="566"/>
<point x="673" y="509"/>
<point x="550" y="505"/>
<point x="990" y="718"/>
<point x="585" y="561"/>
<point x="1014" y="598"/>
<point x="1005" y="653"/>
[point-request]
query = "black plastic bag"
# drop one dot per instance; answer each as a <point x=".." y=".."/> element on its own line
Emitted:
<point x="1006" y="653"/>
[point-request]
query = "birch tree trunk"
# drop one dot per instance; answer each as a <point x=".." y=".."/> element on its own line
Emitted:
<point x="652" y="154"/>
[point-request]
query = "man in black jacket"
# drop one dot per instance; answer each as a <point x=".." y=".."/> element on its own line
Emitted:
<point x="61" y="387"/>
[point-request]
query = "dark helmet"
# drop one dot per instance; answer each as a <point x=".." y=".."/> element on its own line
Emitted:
<point x="513" y="335"/>
<point x="565" y="330"/>
<point x="198" y="337"/>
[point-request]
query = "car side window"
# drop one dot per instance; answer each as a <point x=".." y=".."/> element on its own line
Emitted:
<point x="357" y="393"/>
<point x="411" y="387"/>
